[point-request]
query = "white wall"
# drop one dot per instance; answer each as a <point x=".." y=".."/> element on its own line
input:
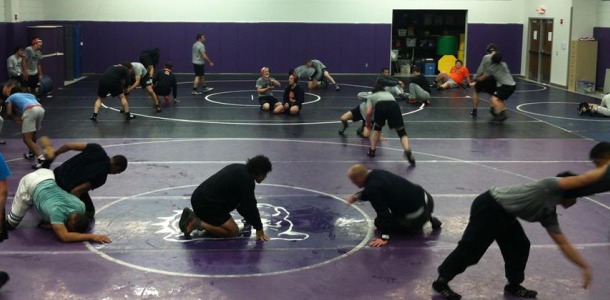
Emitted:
<point x="557" y="10"/>
<point x="584" y="18"/>
<point x="603" y="14"/>
<point x="309" y="11"/>
<point x="3" y="17"/>
<point x="26" y="10"/>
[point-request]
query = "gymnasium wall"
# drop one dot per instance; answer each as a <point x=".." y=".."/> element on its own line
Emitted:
<point x="603" y="13"/>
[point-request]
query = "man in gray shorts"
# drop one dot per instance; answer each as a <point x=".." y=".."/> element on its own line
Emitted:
<point x="200" y="57"/>
<point x="31" y="119"/>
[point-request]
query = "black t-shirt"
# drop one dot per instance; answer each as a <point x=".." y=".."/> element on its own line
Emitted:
<point x="297" y="93"/>
<point x="91" y="165"/>
<point x="152" y="54"/>
<point x="231" y="188"/>
<point x="116" y="75"/>
<point x="391" y="194"/>
<point x="422" y="82"/>
<point x="165" y="81"/>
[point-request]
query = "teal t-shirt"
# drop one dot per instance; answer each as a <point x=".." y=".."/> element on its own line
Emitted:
<point x="54" y="204"/>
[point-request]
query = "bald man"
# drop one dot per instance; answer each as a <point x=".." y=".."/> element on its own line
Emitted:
<point x="401" y="206"/>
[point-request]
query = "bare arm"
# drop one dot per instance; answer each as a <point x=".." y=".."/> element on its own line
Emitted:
<point x="3" y="196"/>
<point x="135" y="84"/>
<point x="65" y="236"/>
<point x="205" y="57"/>
<point x="572" y="254"/>
<point x="580" y="181"/>
<point x="80" y="189"/>
<point x="39" y="69"/>
<point x="369" y="117"/>
<point x="24" y="67"/>
<point x="70" y="147"/>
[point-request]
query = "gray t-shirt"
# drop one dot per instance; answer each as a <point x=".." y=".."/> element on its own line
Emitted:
<point x="304" y="72"/>
<point x="262" y="83"/>
<point x="485" y="62"/>
<point x="13" y="65"/>
<point x="318" y="66"/>
<point x="198" y="49"/>
<point x="377" y="97"/>
<point x="33" y="57"/>
<point x="501" y="73"/>
<point x="534" y="202"/>
<point x="139" y="69"/>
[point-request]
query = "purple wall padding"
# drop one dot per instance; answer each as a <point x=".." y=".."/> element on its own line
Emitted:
<point x="246" y="47"/>
<point x="4" y="52"/>
<point x="508" y="38"/>
<point x="602" y="35"/>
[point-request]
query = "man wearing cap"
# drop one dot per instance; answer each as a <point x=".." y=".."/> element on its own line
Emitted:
<point x="31" y="66"/>
<point x="401" y="205"/>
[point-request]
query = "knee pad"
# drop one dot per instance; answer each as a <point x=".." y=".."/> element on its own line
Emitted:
<point x="401" y="132"/>
<point x="376" y="127"/>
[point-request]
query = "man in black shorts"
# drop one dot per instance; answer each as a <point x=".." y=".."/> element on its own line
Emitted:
<point x="32" y="66"/>
<point x="356" y="114"/>
<point x="199" y="58"/>
<point x="483" y="86"/>
<point x="165" y="83"/>
<point x="401" y="206"/>
<point x="264" y="88"/>
<point x="150" y="59"/>
<point x="86" y="171"/>
<point x="113" y="82"/>
<point x="229" y="189"/>
<point x="505" y="86"/>
<point x="386" y="109"/>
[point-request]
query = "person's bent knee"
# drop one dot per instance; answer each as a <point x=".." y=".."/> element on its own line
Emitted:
<point x="265" y="107"/>
<point x="401" y="132"/>
<point x="377" y="127"/>
<point x="294" y="110"/>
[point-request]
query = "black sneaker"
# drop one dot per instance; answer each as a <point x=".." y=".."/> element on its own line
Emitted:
<point x="501" y="117"/>
<point x="129" y="116"/>
<point x="517" y="290"/>
<point x="39" y="163"/>
<point x="28" y="155"/>
<point x="158" y="108"/>
<point x="122" y="111"/>
<point x="343" y="128"/>
<point x="186" y="223"/>
<point x="445" y="291"/>
<point x="436" y="223"/>
<point x="337" y="88"/>
<point x="371" y="153"/>
<point x="93" y="117"/>
<point x="473" y="112"/>
<point x="584" y="108"/>
<point x="409" y="155"/>
<point x="3" y="278"/>
<point x="492" y="111"/>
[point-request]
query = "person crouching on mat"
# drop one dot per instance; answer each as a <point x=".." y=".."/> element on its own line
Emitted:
<point x="264" y="87"/>
<point x="385" y="107"/>
<point x="494" y="216"/>
<point x="356" y="114"/>
<point x="229" y="189"/>
<point x="419" y="87"/>
<point x="165" y="83"/>
<point x="113" y="83"/>
<point x="294" y="96"/>
<point x="401" y="206"/>
<point x="505" y="86"/>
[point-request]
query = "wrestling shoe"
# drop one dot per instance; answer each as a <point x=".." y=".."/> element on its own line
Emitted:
<point x="3" y="278"/>
<point x="2" y="142"/>
<point x="176" y="100"/>
<point x="122" y="110"/>
<point x="473" y="112"/>
<point x="436" y="223"/>
<point x="187" y="222"/>
<point x="500" y="117"/>
<point x="129" y="116"/>
<point x="412" y="101"/>
<point x="337" y="88"/>
<point x="371" y="153"/>
<point x="207" y="89"/>
<point x="158" y="108"/>
<point x="40" y="161"/>
<point x="343" y="128"/>
<point x="426" y="102"/>
<point x="409" y="155"/>
<point x="93" y="117"/>
<point x="584" y="108"/>
<point x="195" y="92"/>
<point x="445" y="291"/>
<point x="517" y="290"/>
<point x="28" y="155"/>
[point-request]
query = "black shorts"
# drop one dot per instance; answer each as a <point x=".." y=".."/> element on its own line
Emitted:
<point x="504" y="91"/>
<point x="209" y="213"/>
<point x="199" y="69"/>
<point x="162" y="91"/>
<point x="33" y="81"/>
<point x="146" y="60"/>
<point x="356" y="114"/>
<point x="267" y="99"/>
<point x="291" y="104"/>
<point x="106" y="87"/>
<point x="486" y="86"/>
<point x="390" y="111"/>
<point x="145" y="81"/>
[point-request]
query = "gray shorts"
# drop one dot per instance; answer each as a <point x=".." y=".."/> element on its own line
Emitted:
<point x="32" y="119"/>
<point x="451" y="83"/>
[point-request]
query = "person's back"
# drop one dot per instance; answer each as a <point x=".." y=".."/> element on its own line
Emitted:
<point x="164" y="81"/>
<point x="228" y="187"/>
<point x="22" y="100"/>
<point x="379" y="96"/>
<point x="401" y="195"/>
<point x="54" y="204"/>
<point x="116" y="74"/>
<point x="92" y="165"/>
<point x="304" y="72"/>
<point x="500" y="73"/>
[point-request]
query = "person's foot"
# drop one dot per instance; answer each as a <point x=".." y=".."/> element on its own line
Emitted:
<point x="409" y="155"/>
<point x="517" y="290"/>
<point x="343" y="128"/>
<point x="473" y="112"/>
<point x="207" y="89"/>
<point x="129" y="116"/>
<point x="176" y="100"/>
<point x="492" y="111"/>
<point x="337" y="88"/>
<point x="359" y="132"/>
<point x="2" y="142"/>
<point x="436" y="223"/>
<point x="371" y="152"/>
<point x="584" y="108"/>
<point x="122" y="111"/>
<point x="187" y="222"/>
<point x="93" y="117"/>
<point x="426" y="102"/>
<point x="166" y="99"/>
<point x="404" y="95"/>
<point x="444" y="290"/>
<point x="500" y="117"/>
<point x="39" y="163"/>
<point x="28" y="155"/>
<point x="3" y="278"/>
<point x="195" y="92"/>
<point x="158" y="108"/>
<point x="412" y="101"/>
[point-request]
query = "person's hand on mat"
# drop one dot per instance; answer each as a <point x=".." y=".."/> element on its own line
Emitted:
<point x="352" y="199"/>
<point x="261" y="236"/>
<point x="377" y="242"/>
<point x="101" y="238"/>
<point x="587" y="277"/>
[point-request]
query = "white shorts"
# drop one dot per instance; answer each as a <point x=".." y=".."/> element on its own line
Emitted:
<point x="23" y="196"/>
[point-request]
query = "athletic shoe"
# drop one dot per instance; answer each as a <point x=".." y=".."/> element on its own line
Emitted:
<point x="207" y="89"/>
<point x="129" y="116"/>
<point x="436" y="223"/>
<point x="39" y="163"/>
<point x="158" y="108"/>
<point x="122" y="110"/>
<point x="359" y="132"/>
<point x="409" y="155"/>
<point x="412" y="101"/>
<point x="371" y="153"/>
<point x="3" y="278"/>
<point x="176" y="100"/>
<point x="492" y="111"/>
<point x="517" y="290"/>
<point x="426" y="102"/>
<point x="501" y="117"/>
<point x="187" y="222"/>
<point x="473" y="113"/>
<point x="343" y="128"/>
<point x="195" y="92"/>
<point x="445" y="291"/>
<point x="93" y="117"/>
<point x="29" y="155"/>
<point x="2" y="142"/>
<point x="337" y="88"/>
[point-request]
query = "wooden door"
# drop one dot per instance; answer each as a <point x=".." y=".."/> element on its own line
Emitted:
<point x="533" y="56"/>
<point x="546" y="51"/>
